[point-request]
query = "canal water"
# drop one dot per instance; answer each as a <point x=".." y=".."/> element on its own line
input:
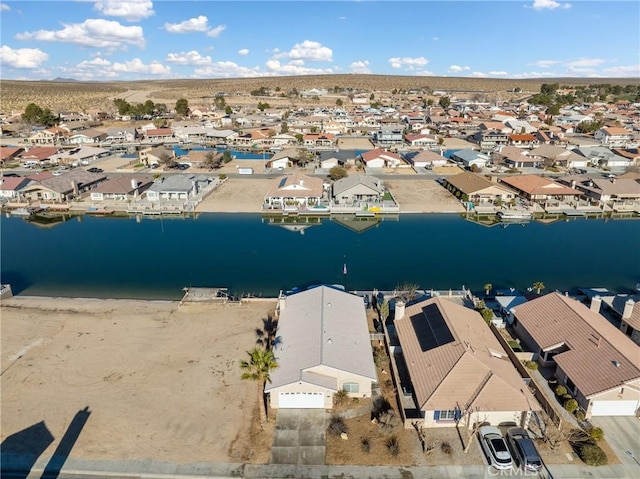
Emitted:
<point x="155" y="258"/>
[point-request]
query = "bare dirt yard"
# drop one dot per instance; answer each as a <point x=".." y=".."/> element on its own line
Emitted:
<point x="236" y="195"/>
<point x="160" y="381"/>
<point x="423" y="196"/>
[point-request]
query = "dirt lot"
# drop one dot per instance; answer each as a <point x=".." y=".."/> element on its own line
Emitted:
<point x="423" y="196"/>
<point x="160" y="381"/>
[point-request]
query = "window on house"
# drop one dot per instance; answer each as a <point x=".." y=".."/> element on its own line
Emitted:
<point x="570" y="386"/>
<point x="351" y="387"/>
<point x="445" y="415"/>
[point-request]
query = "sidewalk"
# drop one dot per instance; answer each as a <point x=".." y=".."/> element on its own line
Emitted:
<point x="150" y="469"/>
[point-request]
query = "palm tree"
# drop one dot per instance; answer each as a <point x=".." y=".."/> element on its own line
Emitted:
<point x="538" y="286"/>
<point x="487" y="288"/>
<point x="258" y="368"/>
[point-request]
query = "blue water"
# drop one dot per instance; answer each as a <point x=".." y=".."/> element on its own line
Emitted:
<point x="119" y="257"/>
<point x="239" y="155"/>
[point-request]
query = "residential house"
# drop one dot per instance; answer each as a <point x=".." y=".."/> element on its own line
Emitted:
<point x="87" y="136"/>
<point x="379" y="158"/>
<point x="77" y="156"/>
<point x="597" y="362"/>
<point x="39" y="154"/>
<point x="283" y="159"/>
<point x="388" y="136"/>
<point x="155" y="156"/>
<point x="318" y="139"/>
<point x="159" y="134"/>
<point x="539" y="189"/>
<point x="121" y="135"/>
<point x="468" y="158"/>
<point x="625" y="307"/>
<point x="550" y="137"/>
<point x="9" y="154"/>
<point x="294" y="192"/>
<point x="11" y="187"/>
<point x="323" y="348"/>
<point x="459" y="372"/>
<point x="603" y="157"/>
<point x="122" y="188"/>
<point x="477" y="189"/>
<point x="523" y="140"/>
<point x="427" y="159"/>
<point x="614" y="191"/>
<point x="514" y="157"/>
<point x="357" y="189"/>
<point x="222" y="136"/>
<point x="519" y="126"/>
<point x="422" y="141"/>
<point x="614" y="137"/>
<point x="59" y="189"/>
<point x="555" y="155"/>
<point x="49" y="136"/>
<point x="177" y="187"/>
<point x="632" y="154"/>
<point x="489" y="140"/>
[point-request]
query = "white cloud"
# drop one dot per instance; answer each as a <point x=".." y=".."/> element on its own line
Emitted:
<point x="479" y="74"/>
<point x="226" y="70"/>
<point x="545" y="63"/>
<point x="96" y="33"/>
<point x="95" y="63"/>
<point x="4" y="7"/>
<point x="585" y="63"/>
<point x="623" y="71"/>
<point x="408" y="62"/>
<point x="131" y="10"/>
<point x="196" y="24"/>
<point x="494" y="73"/>
<point x="458" y="68"/>
<point x="361" y="67"/>
<point x="424" y="73"/>
<point x="22" y="57"/>
<point x="243" y="52"/>
<point x="274" y="67"/>
<point x="549" y="5"/>
<point x="137" y="66"/>
<point x="188" y="58"/>
<point x="307" y="50"/>
<point x="216" y="31"/>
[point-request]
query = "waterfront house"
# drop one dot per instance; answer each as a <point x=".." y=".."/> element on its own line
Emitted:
<point x="293" y="192"/>
<point x="615" y="191"/>
<point x="598" y="363"/>
<point x="356" y="189"/>
<point x="539" y="189"/>
<point x="428" y="159"/>
<point x="421" y="141"/>
<point x="157" y="135"/>
<point x="177" y="187"/>
<point x="283" y="159"/>
<point x="626" y="308"/>
<point x="11" y="187"/>
<point x="318" y="139"/>
<point x="323" y="348"/>
<point x="458" y="371"/>
<point x="38" y="155"/>
<point x="9" y="153"/>
<point x="122" y="188"/>
<point x="379" y="158"/>
<point x="388" y="136"/>
<point x="59" y="189"/>
<point x="87" y="136"/>
<point x="476" y="189"/>
<point x="77" y="156"/>
<point x="121" y="135"/>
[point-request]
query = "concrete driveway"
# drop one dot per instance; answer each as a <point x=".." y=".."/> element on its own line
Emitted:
<point x="299" y="437"/>
<point x="623" y="435"/>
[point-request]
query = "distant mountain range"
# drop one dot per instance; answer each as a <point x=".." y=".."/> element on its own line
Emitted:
<point x="64" y="80"/>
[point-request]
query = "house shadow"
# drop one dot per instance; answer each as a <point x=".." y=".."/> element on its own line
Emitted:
<point x="20" y="451"/>
<point x="60" y="455"/>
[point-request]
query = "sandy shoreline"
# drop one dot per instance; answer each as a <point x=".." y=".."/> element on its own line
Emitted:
<point x="160" y="380"/>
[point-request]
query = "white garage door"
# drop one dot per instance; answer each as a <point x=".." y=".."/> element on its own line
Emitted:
<point x="301" y="400"/>
<point x="614" y="408"/>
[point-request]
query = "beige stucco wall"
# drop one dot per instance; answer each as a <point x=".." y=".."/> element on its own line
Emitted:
<point x="343" y="377"/>
<point x="274" y="394"/>
<point x="492" y="417"/>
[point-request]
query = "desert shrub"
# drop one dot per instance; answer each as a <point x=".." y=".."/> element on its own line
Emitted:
<point x="515" y="345"/>
<point x="340" y="397"/>
<point x="531" y="365"/>
<point x="380" y="406"/>
<point x="446" y="448"/>
<point x="567" y="396"/>
<point x="560" y="390"/>
<point x="337" y="426"/>
<point x="393" y="446"/>
<point x="388" y="421"/>
<point x="571" y="405"/>
<point x="380" y="357"/>
<point x="222" y="176"/>
<point x="592" y="455"/>
<point x="596" y="433"/>
<point x="365" y="444"/>
<point x="579" y="415"/>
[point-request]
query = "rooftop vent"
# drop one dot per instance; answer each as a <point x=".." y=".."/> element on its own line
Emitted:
<point x="616" y="364"/>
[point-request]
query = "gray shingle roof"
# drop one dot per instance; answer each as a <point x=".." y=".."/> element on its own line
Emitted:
<point x="350" y="181"/>
<point x="322" y="326"/>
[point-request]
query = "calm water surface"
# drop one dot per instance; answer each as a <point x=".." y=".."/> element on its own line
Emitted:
<point x="153" y="258"/>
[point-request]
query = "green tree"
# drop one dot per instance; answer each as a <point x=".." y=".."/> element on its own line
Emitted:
<point x="444" y="102"/>
<point x="487" y="315"/>
<point x="227" y="157"/>
<point x="538" y="286"/>
<point x="258" y="368"/>
<point x="337" y="172"/>
<point x="31" y="113"/>
<point x="182" y="107"/>
<point x="430" y="102"/>
<point x="299" y="137"/>
<point x="339" y="102"/>
<point x="553" y="109"/>
<point x="263" y="106"/>
<point x="284" y="127"/>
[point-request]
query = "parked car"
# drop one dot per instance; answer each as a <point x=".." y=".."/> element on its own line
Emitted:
<point x="95" y="170"/>
<point x="495" y="447"/>
<point x="524" y="450"/>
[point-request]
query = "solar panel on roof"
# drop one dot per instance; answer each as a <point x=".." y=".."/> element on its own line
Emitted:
<point x="431" y="328"/>
<point x="283" y="182"/>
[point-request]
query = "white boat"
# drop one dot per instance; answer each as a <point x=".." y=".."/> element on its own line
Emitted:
<point x="514" y="215"/>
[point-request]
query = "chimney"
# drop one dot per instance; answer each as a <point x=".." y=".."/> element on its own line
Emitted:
<point x="399" y="309"/>
<point x="628" y="309"/>
<point x="134" y="183"/>
<point x="74" y="185"/>
<point x="596" y="301"/>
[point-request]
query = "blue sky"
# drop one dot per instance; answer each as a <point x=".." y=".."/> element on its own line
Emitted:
<point x="158" y="39"/>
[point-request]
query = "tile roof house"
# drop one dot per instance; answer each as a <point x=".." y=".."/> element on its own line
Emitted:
<point x="38" y="153"/>
<point x="177" y="187"/>
<point x="616" y="190"/>
<point x="555" y="155"/>
<point x="537" y="188"/>
<point x="458" y="370"/>
<point x="614" y="137"/>
<point x="8" y="153"/>
<point x="293" y="192"/>
<point x="379" y="158"/>
<point x="627" y="308"/>
<point x="469" y="157"/>
<point x="597" y="362"/>
<point x="324" y="347"/>
<point x="476" y="188"/>
<point x="428" y="159"/>
<point x="58" y="189"/>
<point x="11" y="186"/>
<point x="122" y="188"/>
<point x="357" y="189"/>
